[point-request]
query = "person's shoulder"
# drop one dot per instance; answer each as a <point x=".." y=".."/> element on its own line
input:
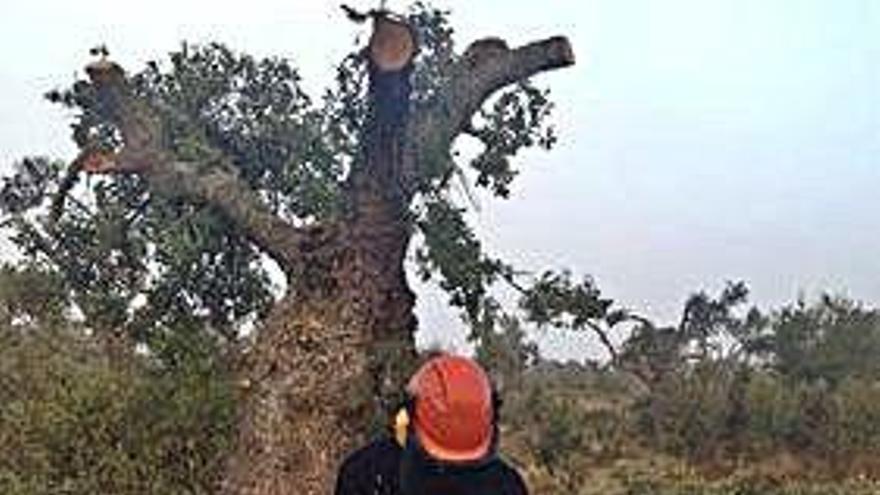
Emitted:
<point x="360" y="471"/>
<point x="379" y="451"/>
<point x="513" y="481"/>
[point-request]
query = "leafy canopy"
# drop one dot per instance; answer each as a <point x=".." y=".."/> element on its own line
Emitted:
<point x="138" y="263"/>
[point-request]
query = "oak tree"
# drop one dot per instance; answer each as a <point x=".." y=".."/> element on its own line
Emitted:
<point x="197" y="175"/>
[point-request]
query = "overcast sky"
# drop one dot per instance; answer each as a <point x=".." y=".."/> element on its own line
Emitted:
<point x="701" y="140"/>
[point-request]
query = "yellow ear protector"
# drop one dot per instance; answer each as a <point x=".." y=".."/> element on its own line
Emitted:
<point x="401" y="426"/>
<point x="403" y="420"/>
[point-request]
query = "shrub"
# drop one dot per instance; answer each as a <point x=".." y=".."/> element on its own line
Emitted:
<point x="73" y="422"/>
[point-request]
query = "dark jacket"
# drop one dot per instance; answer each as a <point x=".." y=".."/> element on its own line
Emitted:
<point x="377" y="470"/>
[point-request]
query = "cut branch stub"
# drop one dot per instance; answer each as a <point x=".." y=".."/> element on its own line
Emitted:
<point x="97" y="162"/>
<point x="138" y="123"/>
<point x="105" y="72"/>
<point x="392" y="44"/>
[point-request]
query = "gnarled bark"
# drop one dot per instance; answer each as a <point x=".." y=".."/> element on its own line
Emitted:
<point x="328" y="356"/>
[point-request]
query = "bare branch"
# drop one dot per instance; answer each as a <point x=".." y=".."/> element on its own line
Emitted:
<point x="214" y="182"/>
<point x="606" y="342"/>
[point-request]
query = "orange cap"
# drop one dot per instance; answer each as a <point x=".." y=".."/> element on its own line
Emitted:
<point x="453" y="409"/>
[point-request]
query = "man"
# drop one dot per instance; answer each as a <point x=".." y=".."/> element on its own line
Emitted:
<point x="445" y="440"/>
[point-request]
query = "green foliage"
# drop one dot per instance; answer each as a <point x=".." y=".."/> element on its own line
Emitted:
<point x="75" y="418"/>
<point x="775" y="412"/>
<point x="690" y="414"/>
<point x="553" y="433"/>
<point x="119" y="381"/>
<point x="555" y="300"/>
<point x="723" y="421"/>
<point x="452" y="251"/>
<point x="515" y="121"/>
<point x="710" y="328"/>
<point x="173" y="281"/>
<point x="562" y="421"/>
<point x="561" y="436"/>
<point x="30" y="296"/>
<point x="436" y="53"/>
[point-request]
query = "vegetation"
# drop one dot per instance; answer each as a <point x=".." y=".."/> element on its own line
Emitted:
<point x="77" y="419"/>
<point x="73" y="420"/>
<point x="744" y="417"/>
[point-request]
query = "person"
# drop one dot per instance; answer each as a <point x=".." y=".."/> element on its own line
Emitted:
<point x="444" y="440"/>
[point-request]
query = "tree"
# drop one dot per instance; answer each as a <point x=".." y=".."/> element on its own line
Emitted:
<point x="828" y="342"/>
<point x="709" y="329"/>
<point x="201" y="171"/>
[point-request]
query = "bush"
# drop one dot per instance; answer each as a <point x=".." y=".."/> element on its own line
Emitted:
<point x="690" y="414"/>
<point x="710" y="415"/>
<point x="73" y="422"/>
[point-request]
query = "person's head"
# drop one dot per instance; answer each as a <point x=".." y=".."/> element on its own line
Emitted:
<point x="451" y="411"/>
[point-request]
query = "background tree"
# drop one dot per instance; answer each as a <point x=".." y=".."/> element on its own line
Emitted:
<point x="711" y="328"/>
<point x="827" y="342"/>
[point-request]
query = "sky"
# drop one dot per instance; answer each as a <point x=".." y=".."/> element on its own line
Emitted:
<point x="700" y="140"/>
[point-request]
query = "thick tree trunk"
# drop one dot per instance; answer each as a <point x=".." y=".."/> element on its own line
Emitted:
<point x="325" y="358"/>
<point x="315" y="370"/>
<point x="331" y="353"/>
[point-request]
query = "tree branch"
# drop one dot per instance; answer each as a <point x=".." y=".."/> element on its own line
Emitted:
<point x="606" y="342"/>
<point x="600" y="332"/>
<point x="219" y="186"/>
<point x="486" y="66"/>
<point x="214" y="182"/>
